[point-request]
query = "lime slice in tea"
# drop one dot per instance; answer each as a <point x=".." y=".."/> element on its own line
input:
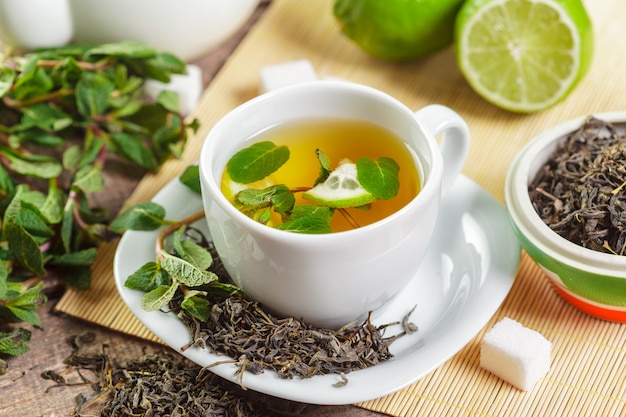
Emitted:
<point x="523" y="55"/>
<point x="230" y="188"/>
<point x="341" y="189"/>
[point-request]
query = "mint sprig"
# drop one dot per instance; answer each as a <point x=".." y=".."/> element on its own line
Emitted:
<point x="63" y="113"/>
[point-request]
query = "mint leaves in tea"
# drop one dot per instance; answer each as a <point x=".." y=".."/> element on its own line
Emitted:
<point x="321" y="176"/>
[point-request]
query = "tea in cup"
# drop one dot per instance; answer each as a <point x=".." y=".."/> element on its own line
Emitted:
<point x="331" y="279"/>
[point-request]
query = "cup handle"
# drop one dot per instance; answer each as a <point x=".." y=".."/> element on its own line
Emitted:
<point x="437" y="119"/>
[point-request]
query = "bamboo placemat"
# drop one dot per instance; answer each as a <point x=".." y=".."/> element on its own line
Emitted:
<point x="588" y="374"/>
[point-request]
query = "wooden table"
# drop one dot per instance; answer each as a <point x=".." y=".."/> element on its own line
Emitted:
<point x="23" y="390"/>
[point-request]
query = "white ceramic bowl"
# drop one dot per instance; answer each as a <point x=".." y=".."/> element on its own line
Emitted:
<point x="592" y="281"/>
<point x="187" y="28"/>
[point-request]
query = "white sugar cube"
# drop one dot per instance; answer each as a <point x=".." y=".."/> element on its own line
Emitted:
<point x="286" y="73"/>
<point x="188" y="86"/>
<point x="515" y="353"/>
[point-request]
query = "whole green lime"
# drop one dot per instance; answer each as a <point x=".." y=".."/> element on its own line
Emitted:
<point x="398" y="30"/>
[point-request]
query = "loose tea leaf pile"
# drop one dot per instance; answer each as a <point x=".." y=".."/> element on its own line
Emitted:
<point x="158" y="384"/>
<point x="581" y="191"/>
<point x="241" y="329"/>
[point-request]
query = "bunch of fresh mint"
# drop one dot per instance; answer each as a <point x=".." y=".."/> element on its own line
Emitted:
<point x="63" y="112"/>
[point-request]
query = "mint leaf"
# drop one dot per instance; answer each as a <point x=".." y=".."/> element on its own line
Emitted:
<point x="306" y="225"/>
<point x="25" y="248"/>
<point x="84" y="257"/>
<point x="325" y="167"/>
<point x="38" y="166"/>
<point x="379" y="177"/>
<point x="14" y="343"/>
<point x="158" y="297"/>
<point x="7" y="77"/>
<point x="24" y="305"/>
<point x="92" y="94"/>
<point x="148" y="277"/>
<point x="191" y="178"/>
<point x="142" y="216"/>
<point x="185" y="272"/>
<point x="191" y="252"/>
<point x="303" y="210"/>
<point x="254" y="197"/>
<point x="256" y="162"/>
<point x="198" y="307"/>
<point x="132" y="147"/>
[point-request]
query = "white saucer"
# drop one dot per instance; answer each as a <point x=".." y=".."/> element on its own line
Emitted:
<point x="474" y="255"/>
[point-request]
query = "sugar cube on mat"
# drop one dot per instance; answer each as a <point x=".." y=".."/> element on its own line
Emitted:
<point x="286" y="73"/>
<point x="517" y="354"/>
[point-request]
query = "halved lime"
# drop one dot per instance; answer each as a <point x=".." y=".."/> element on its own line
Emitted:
<point x="341" y="189"/>
<point x="523" y="55"/>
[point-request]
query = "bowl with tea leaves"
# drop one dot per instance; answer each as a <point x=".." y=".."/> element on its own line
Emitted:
<point x="566" y="197"/>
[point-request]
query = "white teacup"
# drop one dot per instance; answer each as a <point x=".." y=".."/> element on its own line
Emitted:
<point x="332" y="279"/>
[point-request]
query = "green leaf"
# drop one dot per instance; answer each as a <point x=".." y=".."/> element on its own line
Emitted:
<point x="148" y="277"/>
<point x="195" y="254"/>
<point x="76" y="157"/>
<point x="126" y="49"/>
<point x="185" y="272"/>
<point x="42" y="138"/>
<point x="71" y="157"/>
<point x="7" y="77"/>
<point x="46" y="117"/>
<point x="89" y="179"/>
<point x="149" y="118"/>
<point x="7" y="186"/>
<point x="34" y="81"/>
<point x="4" y="275"/>
<point x="24" y="305"/>
<point x="306" y="225"/>
<point x="25" y="248"/>
<point x="34" y="165"/>
<point x="52" y="207"/>
<point x="67" y="225"/>
<point x="14" y="343"/>
<point x="158" y="297"/>
<point x="170" y="100"/>
<point x="379" y="177"/>
<point x="197" y="306"/>
<point x="222" y="289"/>
<point x="325" y="167"/>
<point x="92" y="94"/>
<point x="303" y="210"/>
<point x="85" y="257"/>
<point x="191" y="178"/>
<point x="142" y="216"/>
<point x="254" y="197"/>
<point x="256" y="162"/>
<point x="132" y="147"/>
<point x="168" y="62"/>
<point x="77" y="276"/>
<point x="283" y="201"/>
<point x="32" y="221"/>
<point x="161" y="66"/>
